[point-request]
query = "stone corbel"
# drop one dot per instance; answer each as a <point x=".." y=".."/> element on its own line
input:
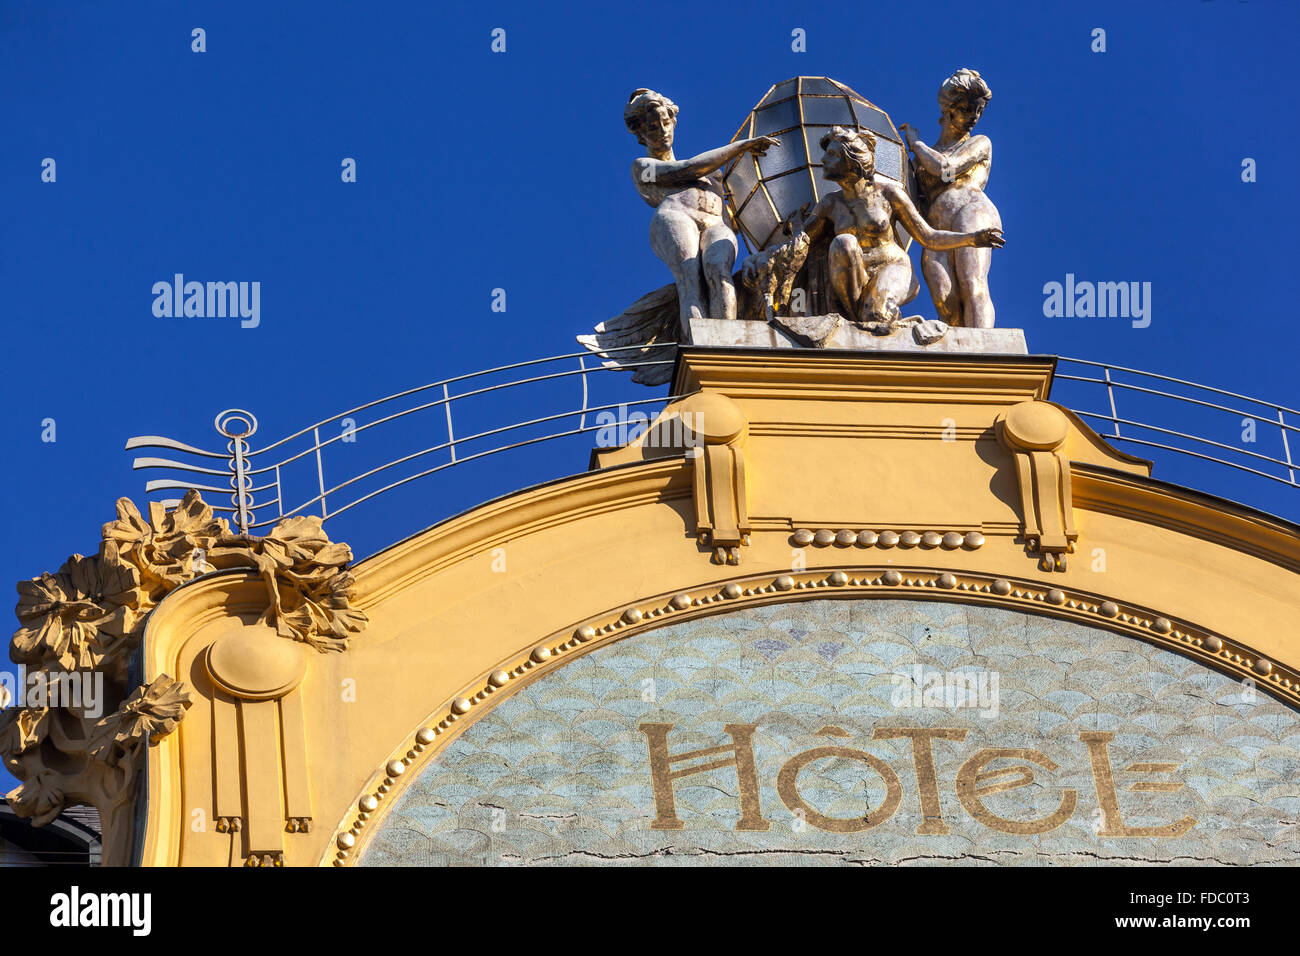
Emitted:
<point x="257" y="714"/>
<point x="1035" y="432"/>
<point x="716" y="430"/>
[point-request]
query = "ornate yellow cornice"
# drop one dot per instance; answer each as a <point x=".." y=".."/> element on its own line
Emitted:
<point x="1185" y="511"/>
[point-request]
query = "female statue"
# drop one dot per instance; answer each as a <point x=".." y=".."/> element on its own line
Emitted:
<point x="952" y="175"/>
<point x="688" y="231"/>
<point x="870" y="273"/>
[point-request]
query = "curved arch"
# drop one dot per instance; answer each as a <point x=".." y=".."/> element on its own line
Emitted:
<point x="451" y="717"/>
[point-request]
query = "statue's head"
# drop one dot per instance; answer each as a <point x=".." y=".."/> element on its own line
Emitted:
<point x="651" y="117"/>
<point x="962" y="99"/>
<point x="848" y="154"/>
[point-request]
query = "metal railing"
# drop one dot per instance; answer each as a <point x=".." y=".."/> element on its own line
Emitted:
<point x="255" y="484"/>
<point x="1159" y="412"/>
<point x="1164" y="401"/>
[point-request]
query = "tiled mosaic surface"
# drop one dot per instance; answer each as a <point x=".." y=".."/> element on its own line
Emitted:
<point x="559" y="773"/>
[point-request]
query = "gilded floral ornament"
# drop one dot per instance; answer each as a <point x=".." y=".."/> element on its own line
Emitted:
<point x="169" y="547"/>
<point x="22" y="732"/>
<point x="75" y="619"/>
<point x="39" y="798"/>
<point x="93" y="607"/>
<point x="90" y="615"/>
<point x="148" y="714"/>
<point x="321" y="615"/>
<point x="309" y="589"/>
<point x="22" y="729"/>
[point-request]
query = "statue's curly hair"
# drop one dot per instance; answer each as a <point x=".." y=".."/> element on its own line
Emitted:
<point x="967" y="87"/>
<point x="639" y="104"/>
<point x="859" y="147"/>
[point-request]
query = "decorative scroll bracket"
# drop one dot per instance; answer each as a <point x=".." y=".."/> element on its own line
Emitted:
<point x="1035" y="432"/>
<point x="257" y="676"/>
<point x="717" y="429"/>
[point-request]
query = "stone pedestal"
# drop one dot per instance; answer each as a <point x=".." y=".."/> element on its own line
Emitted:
<point x="739" y="333"/>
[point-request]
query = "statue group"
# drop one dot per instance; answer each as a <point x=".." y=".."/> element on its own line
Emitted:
<point x="851" y="231"/>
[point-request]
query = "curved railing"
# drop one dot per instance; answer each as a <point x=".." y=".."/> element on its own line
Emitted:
<point x="255" y="484"/>
<point x="1159" y="413"/>
<point x="1158" y="402"/>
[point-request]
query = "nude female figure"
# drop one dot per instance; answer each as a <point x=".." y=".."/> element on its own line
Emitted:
<point x="688" y="231"/>
<point x="870" y="272"/>
<point x="952" y="175"/>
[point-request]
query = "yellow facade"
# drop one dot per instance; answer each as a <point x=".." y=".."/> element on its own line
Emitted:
<point x="820" y="476"/>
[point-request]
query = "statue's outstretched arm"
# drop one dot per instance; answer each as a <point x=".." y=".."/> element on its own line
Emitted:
<point x="927" y="235"/>
<point x="683" y="172"/>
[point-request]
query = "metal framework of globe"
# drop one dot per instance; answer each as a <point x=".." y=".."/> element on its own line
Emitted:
<point x="762" y="191"/>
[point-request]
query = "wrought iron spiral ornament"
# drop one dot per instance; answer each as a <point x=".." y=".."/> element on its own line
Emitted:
<point x="228" y="424"/>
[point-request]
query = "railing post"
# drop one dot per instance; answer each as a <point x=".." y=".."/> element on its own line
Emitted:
<point x="320" y="474"/>
<point x="1286" y="446"/>
<point x="451" y="435"/>
<point x="582" y="419"/>
<point x="238" y="463"/>
<point x="241" y="485"/>
<point x="1110" y="394"/>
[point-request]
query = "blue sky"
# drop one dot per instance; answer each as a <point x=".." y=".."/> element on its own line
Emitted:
<point x="481" y="170"/>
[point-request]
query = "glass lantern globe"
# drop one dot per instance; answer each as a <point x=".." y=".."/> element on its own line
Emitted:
<point x="763" y="191"/>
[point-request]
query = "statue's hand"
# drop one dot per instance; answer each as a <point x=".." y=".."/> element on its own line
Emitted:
<point x="800" y="215"/>
<point x="759" y="145"/>
<point x="988" y="237"/>
<point x="909" y="134"/>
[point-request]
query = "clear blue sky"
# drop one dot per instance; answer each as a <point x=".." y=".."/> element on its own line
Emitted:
<point x="479" y="171"/>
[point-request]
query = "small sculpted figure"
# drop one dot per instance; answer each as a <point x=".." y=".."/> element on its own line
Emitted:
<point x="870" y="273"/>
<point x="952" y="175"/>
<point x="772" y="273"/>
<point x="688" y="231"/>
